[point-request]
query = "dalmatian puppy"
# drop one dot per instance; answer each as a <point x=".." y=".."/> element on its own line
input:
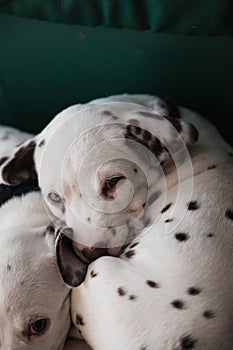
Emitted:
<point x="34" y="302"/>
<point x="171" y="287"/>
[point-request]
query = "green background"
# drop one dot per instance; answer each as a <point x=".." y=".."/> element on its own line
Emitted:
<point x="57" y="53"/>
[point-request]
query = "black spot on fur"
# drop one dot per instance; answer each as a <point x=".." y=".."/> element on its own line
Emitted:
<point x="135" y="170"/>
<point x="138" y="130"/>
<point x="143" y="347"/>
<point x="176" y="123"/>
<point x="153" y="197"/>
<point x="109" y="114"/>
<point x="209" y="235"/>
<point x="3" y="160"/>
<point x="166" y="208"/>
<point x="169" y="220"/>
<point x="5" y="137"/>
<point x="156" y="147"/>
<point x="79" y="320"/>
<point x="132" y="297"/>
<point x="129" y="254"/>
<point x="145" y="138"/>
<point x="229" y="214"/>
<point x="173" y="110"/>
<point x="193" y="291"/>
<point x="63" y="209"/>
<point x="194" y="134"/>
<point x="50" y="229"/>
<point x="121" y="291"/>
<point x="212" y="167"/>
<point x="182" y="237"/>
<point x="146" y="135"/>
<point x="178" y="304"/>
<point x="93" y="274"/>
<point x="89" y="219"/>
<point x="42" y="143"/>
<point x="152" y="284"/>
<point x="208" y="314"/>
<point x="193" y="205"/>
<point x="8" y="268"/>
<point x="188" y="342"/>
<point x="134" y="122"/>
<point x="112" y="231"/>
<point x="150" y="115"/>
<point x="134" y="245"/>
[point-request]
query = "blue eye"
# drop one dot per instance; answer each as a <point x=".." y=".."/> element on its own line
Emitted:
<point x="55" y="197"/>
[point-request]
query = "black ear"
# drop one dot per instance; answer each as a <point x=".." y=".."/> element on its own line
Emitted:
<point x="72" y="269"/>
<point x="19" y="166"/>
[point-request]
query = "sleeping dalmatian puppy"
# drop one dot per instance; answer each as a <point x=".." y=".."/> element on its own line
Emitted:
<point x="34" y="302"/>
<point x="132" y="180"/>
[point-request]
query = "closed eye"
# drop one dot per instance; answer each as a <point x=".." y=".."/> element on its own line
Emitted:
<point x="38" y="327"/>
<point x="109" y="186"/>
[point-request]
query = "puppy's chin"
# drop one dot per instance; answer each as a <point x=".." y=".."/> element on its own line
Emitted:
<point x="89" y="254"/>
<point x="117" y="251"/>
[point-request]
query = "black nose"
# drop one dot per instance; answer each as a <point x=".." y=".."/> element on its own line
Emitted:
<point x="93" y="253"/>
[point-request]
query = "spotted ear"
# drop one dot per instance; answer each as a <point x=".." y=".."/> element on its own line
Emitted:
<point x="72" y="269"/>
<point x="18" y="166"/>
<point x="168" y="131"/>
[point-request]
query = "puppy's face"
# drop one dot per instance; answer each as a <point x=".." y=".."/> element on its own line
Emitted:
<point x="99" y="168"/>
<point x="34" y="302"/>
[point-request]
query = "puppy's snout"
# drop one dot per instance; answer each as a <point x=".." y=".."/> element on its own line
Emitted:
<point x="93" y="253"/>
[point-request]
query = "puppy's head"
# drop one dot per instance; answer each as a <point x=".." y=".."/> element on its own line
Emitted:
<point x="101" y="168"/>
<point x="34" y="302"/>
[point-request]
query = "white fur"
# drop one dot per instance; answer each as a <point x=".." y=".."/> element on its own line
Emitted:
<point x="149" y="321"/>
<point x="30" y="286"/>
<point x="119" y="308"/>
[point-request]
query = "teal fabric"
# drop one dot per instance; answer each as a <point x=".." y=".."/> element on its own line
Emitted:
<point x="55" y="53"/>
<point x="193" y="17"/>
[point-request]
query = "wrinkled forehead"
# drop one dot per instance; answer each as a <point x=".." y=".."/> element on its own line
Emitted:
<point x="89" y="124"/>
<point x="92" y="134"/>
<point x="28" y="280"/>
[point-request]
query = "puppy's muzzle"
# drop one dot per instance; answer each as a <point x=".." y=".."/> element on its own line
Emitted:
<point x="95" y="252"/>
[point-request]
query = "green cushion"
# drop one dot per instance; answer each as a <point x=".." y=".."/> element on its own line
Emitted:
<point x="198" y="17"/>
<point x="46" y="66"/>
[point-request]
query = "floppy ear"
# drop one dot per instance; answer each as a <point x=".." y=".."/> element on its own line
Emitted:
<point x="71" y="267"/>
<point x="169" y="129"/>
<point x="18" y="166"/>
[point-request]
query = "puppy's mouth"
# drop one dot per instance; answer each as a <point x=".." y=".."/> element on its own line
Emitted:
<point x="89" y="254"/>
